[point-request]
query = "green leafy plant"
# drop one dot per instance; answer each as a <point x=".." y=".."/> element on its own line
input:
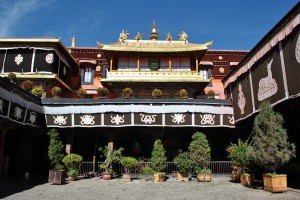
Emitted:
<point x="72" y="172"/>
<point x="111" y="156"/>
<point x="127" y="92"/>
<point x="27" y="85"/>
<point x="55" y="150"/>
<point x="56" y="91"/>
<point x="199" y="170"/>
<point x="211" y="94"/>
<point x="72" y="162"/>
<point x="38" y="91"/>
<point x="240" y="155"/>
<point x="102" y="91"/>
<point x="81" y="92"/>
<point x="129" y="164"/>
<point x="271" y="148"/>
<point x="183" y="93"/>
<point x="183" y="162"/>
<point x="200" y="150"/>
<point x="12" y="76"/>
<point x="158" y="157"/>
<point x="156" y="93"/>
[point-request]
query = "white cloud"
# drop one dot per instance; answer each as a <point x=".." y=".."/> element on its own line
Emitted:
<point x="11" y="12"/>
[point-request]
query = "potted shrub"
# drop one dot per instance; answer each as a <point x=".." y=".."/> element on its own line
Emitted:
<point x="57" y="174"/>
<point x="12" y="77"/>
<point x="200" y="154"/>
<point x="81" y="93"/>
<point x="183" y="94"/>
<point x="127" y="92"/>
<point x="271" y="148"/>
<point x="158" y="159"/>
<point x="161" y="177"/>
<point x="184" y="165"/>
<point x="38" y="91"/>
<point x="27" y="85"/>
<point x="111" y="156"/>
<point x="102" y="92"/>
<point x="211" y="94"/>
<point x="56" y="92"/>
<point x="72" y="162"/>
<point x="129" y="164"/>
<point x="156" y="93"/>
<point x="240" y="158"/>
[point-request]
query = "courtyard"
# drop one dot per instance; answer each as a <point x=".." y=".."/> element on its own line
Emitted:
<point x="118" y="189"/>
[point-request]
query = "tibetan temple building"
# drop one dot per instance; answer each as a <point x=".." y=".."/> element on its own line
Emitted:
<point x="240" y="81"/>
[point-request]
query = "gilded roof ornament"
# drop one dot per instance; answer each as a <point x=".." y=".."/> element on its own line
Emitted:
<point x="208" y="44"/>
<point x="169" y="37"/>
<point x="124" y="35"/>
<point x="100" y="45"/>
<point x="183" y="36"/>
<point x="138" y="36"/>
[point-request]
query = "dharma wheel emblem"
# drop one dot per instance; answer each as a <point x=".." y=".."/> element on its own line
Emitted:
<point x="49" y="58"/>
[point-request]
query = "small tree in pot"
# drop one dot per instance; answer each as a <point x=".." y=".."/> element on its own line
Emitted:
<point x="271" y="148"/>
<point x="72" y="163"/>
<point x="158" y="159"/>
<point x="56" y="92"/>
<point x="200" y="155"/>
<point x="127" y="92"/>
<point x="129" y="164"/>
<point x="12" y="77"/>
<point x="27" y="85"/>
<point x="56" y="154"/>
<point x="81" y="93"/>
<point x="111" y="156"/>
<point x="184" y="165"/>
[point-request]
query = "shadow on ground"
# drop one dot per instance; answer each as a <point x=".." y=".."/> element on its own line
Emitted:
<point x="10" y="186"/>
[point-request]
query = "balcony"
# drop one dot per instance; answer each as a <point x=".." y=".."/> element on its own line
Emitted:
<point x="156" y="76"/>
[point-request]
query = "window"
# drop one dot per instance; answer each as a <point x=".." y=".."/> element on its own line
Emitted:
<point x="87" y="76"/>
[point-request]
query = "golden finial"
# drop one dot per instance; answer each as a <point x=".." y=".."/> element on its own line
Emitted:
<point x="100" y="45"/>
<point x="208" y="44"/>
<point x="73" y="41"/>
<point x="154" y="35"/>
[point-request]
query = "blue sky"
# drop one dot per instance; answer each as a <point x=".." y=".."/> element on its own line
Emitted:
<point x="231" y="24"/>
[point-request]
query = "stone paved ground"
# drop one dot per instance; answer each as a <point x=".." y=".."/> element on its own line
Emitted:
<point x="118" y="189"/>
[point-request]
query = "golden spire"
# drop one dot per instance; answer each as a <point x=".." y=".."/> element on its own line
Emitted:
<point x="153" y="35"/>
<point x="73" y="41"/>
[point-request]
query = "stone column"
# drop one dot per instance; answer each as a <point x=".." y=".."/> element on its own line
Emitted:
<point x="69" y="143"/>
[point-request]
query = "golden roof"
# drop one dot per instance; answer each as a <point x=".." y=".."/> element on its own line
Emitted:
<point x="153" y="46"/>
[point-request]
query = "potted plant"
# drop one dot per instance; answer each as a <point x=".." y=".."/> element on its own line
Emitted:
<point x="240" y="158"/>
<point x="129" y="164"/>
<point x="27" y="85"/>
<point x="102" y="92"/>
<point x="12" y="77"/>
<point x="57" y="174"/>
<point x="158" y="159"/>
<point x="81" y="93"/>
<point x="72" y="162"/>
<point x="183" y="94"/>
<point x="156" y="93"/>
<point x="162" y="177"/>
<point x="211" y="94"/>
<point x="127" y="92"/>
<point x="271" y="148"/>
<point x="56" y="92"/>
<point x="111" y="156"/>
<point x="184" y="165"/>
<point x="200" y="154"/>
<point x="38" y="91"/>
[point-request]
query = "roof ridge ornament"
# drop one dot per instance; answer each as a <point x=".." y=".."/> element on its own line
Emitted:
<point x="100" y="45"/>
<point x="138" y="36"/>
<point x="154" y="35"/>
<point x="183" y="36"/>
<point x="124" y="36"/>
<point x="169" y="37"/>
<point x="208" y="44"/>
